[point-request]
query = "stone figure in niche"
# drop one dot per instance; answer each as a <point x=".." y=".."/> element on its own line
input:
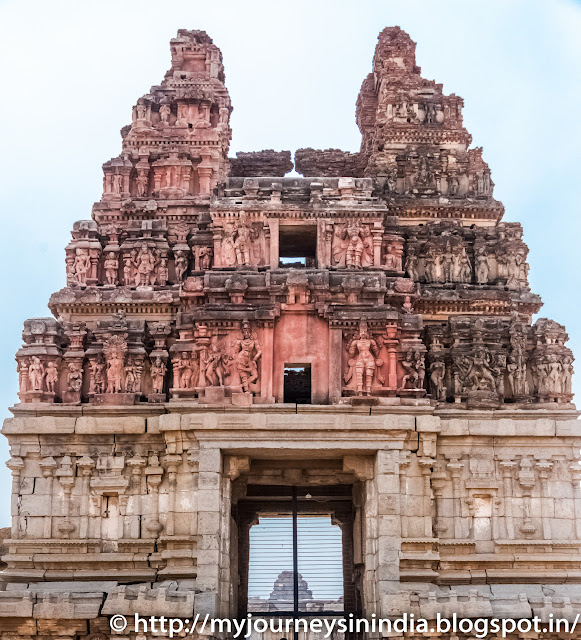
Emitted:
<point x="162" y="272"/>
<point x="141" y="184"/>
<point x="70" y="270"/>
<point x="407" y="306"/>
<point x="393" y="259"/>
<point x="363" y="352"/>
<point x="51" y="376"/>
<point x="430" y="114"/>
<point x="82" y="265"/>
<point x="424" y="176"/>
<point x="464" y="267"/>
<point x="97" y="379"/>
<point x="433" y="267"/>
<point x="411" y="266"/>
<point x="114" y="350"/>
<point x="479" y="376"/>
<point x="498" y="367"/>
<point x="22" y="370"/>
<point x="453" y="186"/>
<point x="206" y="254"/>
<point x="248" y="352"/>
<point x="391" y="180"/>
<point x="448" y="265"/>
<point x="181" y="263"/>
<point x="213" y="366"/>
<point x="111" y="266"/>
<point x="415" y="370"/>
<point x="75" y="377"/>
<point x="117" y="183"/>
<point x="145" y="263"/>
<point x="482" y="267"/>
<point x="437" y="375"/>
<point x="133" y="372"/>
<point x="164" y="113"/>
<point x="242" y="237"/>
<point x="141" y="111"/>
<point x="158" y="371"/>
<point x="184" y="371"/>
<point x="351" y="246"/>
<point x="228" y="250"/>
<point x="36" y="374"/>
<point x="128" y="270"/>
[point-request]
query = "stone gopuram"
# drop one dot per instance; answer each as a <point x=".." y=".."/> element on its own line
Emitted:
<point x="357" y="341"/>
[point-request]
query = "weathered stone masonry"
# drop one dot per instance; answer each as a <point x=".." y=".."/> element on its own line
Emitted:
<point x="155" y="395"/>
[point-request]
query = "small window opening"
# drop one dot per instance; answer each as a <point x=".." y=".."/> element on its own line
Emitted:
<point x="297" y="384"/>
<point x="298" y="246"/>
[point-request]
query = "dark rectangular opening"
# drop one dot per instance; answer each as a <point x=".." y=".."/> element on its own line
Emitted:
<point x="296" y="551"/>
<point x="297" y="246"/>
<point x="297" y="383"/>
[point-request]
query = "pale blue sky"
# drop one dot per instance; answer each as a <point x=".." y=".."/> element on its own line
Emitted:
<point x="71" y="71"/>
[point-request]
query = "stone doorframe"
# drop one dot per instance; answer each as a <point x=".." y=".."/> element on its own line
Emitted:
<point x="372" y="448"/>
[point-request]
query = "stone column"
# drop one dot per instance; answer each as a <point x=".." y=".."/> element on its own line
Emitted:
<point x="15" y="464"/>
<point x="426" y="465"/>
<point x="335" y="363"/>
<point x="267" y="360"/>
<point x="544" y="467"/>
<point x="86" y="466"/>
<point x="136" y="464"/>
<point x="377" y="233"/>
<point x="455" y="468"/>
<point x="274" y="243"/>
<point x="48" y="466"/>
<point x="576" y="482"/>
<point x="388" y="541"/>
<point x="171" y="463"/>
<point x="209" y="520"/>
<point x="508" y="467"/>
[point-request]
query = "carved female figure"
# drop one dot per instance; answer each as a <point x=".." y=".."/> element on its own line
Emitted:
<point x="213" y="366"/>
<point x="181" y="263"/>
<point x="411" y="266"/>
<point x="185" y="372"/>
<point x="465" y="268"/>
<point x="205" y="255"/>
<point x="36" y="373"/>
<point x="437" y="374"/>
<point x="363" y="351"/>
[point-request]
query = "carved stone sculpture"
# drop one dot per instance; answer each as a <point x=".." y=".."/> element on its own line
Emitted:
<point x="248" y="352"/>
<point x="363" y="352"/>
<point x="114" y="350"/>
<point x="157" y="372"/>
<point x="111" y="267"/>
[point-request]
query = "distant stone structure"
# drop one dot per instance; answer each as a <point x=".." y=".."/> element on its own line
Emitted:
<point x="154" y="398"/>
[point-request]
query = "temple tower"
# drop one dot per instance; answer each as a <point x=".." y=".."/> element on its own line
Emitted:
<point x="236" y="350"/>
